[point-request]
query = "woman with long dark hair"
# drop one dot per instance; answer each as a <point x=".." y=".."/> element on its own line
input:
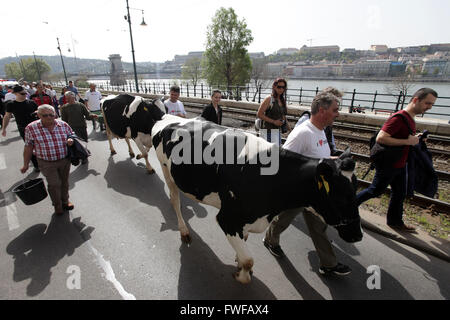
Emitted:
<point x="273" y="111"/>
<point x="213" y="112"/>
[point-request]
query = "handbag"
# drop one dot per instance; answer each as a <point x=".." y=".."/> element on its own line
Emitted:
<point x="383" y="155"/>
<point x="258" y="123"/>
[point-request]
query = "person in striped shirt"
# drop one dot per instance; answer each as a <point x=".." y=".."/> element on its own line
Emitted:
<point x="48" y="138"/>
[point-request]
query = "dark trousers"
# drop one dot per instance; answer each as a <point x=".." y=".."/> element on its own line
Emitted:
<point x="81" y="132"/>
<point x="57" y="175"/>
<point x="396" y="177"/>
<point x="33" y="157"/>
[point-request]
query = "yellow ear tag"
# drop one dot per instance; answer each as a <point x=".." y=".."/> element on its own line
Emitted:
<point x="145" y="108"/>
<point x="325" y="183"/>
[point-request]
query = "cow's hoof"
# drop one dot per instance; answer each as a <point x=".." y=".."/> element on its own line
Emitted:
<point x="151" y="171"/>
<point x="186" y="239"/>
<point x="132" y="155"/>
<point x="139" y="156"/>
<point x="113" y="153"/>
<point x="242" y="276"/>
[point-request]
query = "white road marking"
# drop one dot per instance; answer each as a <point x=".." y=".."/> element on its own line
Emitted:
<point x="11" y="215"/>
<point x="2" y="161"/>
<point x="109" y="274"/>
<point x="11" y="212"/>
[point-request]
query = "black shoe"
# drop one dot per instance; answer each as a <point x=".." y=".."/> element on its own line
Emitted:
<point x="340" y="270"/>
<point x="274" y="250"/>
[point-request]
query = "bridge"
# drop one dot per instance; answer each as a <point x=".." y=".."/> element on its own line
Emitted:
<point x="126" y="74"/>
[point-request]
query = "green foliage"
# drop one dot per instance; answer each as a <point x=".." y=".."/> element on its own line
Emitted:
<point x="82" y="82"/>
<point x="192" y="70"/>
<point x="227" y="61"/>
<point x="28" y="69"/>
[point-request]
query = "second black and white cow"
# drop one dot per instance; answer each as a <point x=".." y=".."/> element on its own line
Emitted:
<point x="131" y="117"/>
<point x="250" y="181"/>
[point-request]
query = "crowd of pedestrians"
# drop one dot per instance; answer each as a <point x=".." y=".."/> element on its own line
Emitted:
<point x="37" y="109"/>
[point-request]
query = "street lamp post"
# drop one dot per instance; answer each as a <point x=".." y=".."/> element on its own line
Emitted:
<point x="37" y="67"/>
<point x="62" y="61"/>
<point x="132" y="45"/>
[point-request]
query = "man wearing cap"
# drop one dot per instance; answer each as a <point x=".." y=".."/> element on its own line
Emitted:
<point x="24" y="112"/>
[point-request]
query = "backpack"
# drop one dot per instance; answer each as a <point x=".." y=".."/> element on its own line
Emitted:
<point x="383" y="155"/>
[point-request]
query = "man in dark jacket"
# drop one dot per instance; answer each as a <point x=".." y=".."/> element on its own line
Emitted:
<point x="395" y="132"/>
<point x="75" y="114"/>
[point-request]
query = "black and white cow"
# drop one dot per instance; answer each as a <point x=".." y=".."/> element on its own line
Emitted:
<point x="131" y="117"/>
<point x="250" y="181"/>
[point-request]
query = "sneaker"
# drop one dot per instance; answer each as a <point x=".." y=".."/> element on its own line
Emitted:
<point x="274" y="250"/>
<point x="340" y="270"/>
<point x="36" y="170"/>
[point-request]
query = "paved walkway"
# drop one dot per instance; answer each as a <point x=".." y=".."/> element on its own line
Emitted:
<point x="421" y="240"/>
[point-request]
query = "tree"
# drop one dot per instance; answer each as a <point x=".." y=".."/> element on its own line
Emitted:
<point x="29" y="71"/>
<point x="192" y="70"/>
<point x="227" y="61"/>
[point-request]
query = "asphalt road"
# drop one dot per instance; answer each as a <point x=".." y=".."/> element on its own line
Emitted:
<point x="121" y="242"/>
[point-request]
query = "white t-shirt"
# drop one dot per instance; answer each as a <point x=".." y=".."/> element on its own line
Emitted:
<point x="308" y="140"/>
<point x="10" y="96"/>
<point x="93" y="100"/>
<point x="174" y="108"/>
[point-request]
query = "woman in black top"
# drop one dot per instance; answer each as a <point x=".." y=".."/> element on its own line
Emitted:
<point x="273" y="111"/>
<point x="213" y="112"/>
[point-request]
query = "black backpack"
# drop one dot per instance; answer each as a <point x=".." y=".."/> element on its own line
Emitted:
<point x="383" y="155"/>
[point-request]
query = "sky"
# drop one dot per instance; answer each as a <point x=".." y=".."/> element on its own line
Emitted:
<point x="97" y="28"/>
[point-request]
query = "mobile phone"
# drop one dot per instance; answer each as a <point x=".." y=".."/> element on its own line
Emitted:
<point x="425" y="134"/>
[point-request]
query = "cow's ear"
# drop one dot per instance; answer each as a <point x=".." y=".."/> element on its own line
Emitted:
<point x="348" y="164"/>
<point x="346" y="154"/>
<point x="326" y="168"/>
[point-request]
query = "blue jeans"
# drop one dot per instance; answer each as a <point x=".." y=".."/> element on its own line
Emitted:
<point x="272" y="135"/>
<point x="396" y="177"/>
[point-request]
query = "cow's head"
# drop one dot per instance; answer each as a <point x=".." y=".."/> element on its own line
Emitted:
<point x="149" y="112"/>
<point x="336" y="203"/>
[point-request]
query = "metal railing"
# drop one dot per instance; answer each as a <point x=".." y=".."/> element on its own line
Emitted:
<point x="353" y="100"/>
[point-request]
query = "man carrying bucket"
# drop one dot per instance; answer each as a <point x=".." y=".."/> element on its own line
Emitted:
<point x="48" y="138"/>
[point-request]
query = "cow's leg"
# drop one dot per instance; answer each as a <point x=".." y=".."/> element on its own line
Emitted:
<point x="144" y="154"/>
<point x="130" y="150"/>
<point x="236" y="236"/>
<point x="109" y="135"/>
<point x="175" y="200"/>
<point x="244" y="259"/>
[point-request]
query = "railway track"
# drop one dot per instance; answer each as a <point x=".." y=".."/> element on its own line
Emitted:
<point x="434" y="151"/>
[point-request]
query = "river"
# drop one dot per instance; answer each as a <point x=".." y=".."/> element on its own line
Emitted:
<point x="364" y="97"/>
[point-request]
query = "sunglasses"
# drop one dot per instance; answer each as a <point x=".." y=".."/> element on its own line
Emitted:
<point x="281" y="87"/>
<point x="51" y="115"/>
<point x="23" y="93"/>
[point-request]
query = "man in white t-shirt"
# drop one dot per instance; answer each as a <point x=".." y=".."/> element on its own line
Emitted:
<point x="92" y="99"/>
<point x="173" y="105"/>
<point x="309" y="139"/>
<point x="10" y="96"/>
